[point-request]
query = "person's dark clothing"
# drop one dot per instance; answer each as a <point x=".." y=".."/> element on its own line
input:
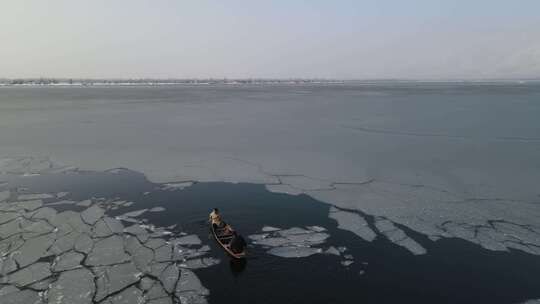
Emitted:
<point x="238" y="244"/>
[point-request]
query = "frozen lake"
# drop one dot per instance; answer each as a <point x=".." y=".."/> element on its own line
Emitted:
<point x="415" y="166"/>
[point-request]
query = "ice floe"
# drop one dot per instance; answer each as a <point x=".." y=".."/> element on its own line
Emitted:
<point x="176" y="186"/>
<point x="397" y="236"/>
<point x="352" y="222"/>
<point x="293" y="242"/>
<point x="135" y="213"/>
<point x="37" y="196"/>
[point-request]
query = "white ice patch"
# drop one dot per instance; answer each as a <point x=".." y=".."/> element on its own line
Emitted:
<point x="29" y="197"/>
<point x="270" y="229"/>
<point x="280" y="188"/>
<point x="61" y="194"/>
<point x="293" y="251"/>
<point x="352" y="222"/>
<point x="292" y="242"/>
<point x="135" y="213"/>
<point x="176" y="186"/>
<point x="192" y="239"/>
<point x="397" y="236"/>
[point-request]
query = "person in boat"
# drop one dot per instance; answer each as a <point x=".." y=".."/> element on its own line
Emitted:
<point x="227" y="229"/>
<point x="237" y="244"/>
<point x="215" y="218"/>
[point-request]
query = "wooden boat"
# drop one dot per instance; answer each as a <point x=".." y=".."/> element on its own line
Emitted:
<point x="224" y="239"/>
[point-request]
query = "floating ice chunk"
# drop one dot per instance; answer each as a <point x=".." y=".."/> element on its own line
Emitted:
<point x="346" y="263"/>
<point x="258" y="237"/>
<point x="146" y="283"/>
<point x="22" y="297"/>
<point x="182" y="254"/>
<point x="84" y="243"/>
<point x="162" y="301"/>
<point x="169" y="276"/>
<point x="8" y="289"/>
<point x="293" y="251"/>
<point x="92" y="214"/>
<point x="283" y="188"/>
<point x="67" y="261"/>
<point x="73" y="286"/>
<point x="156" y="293"/>
<point x="293" y="231"/>
<point x="270" y="229"/>
<point x="352" y="222"/>
<point x="398" y="236"/>
<point x="200" y="263"/>
<point x="135" y="229"/>
<point x="62" y="202"/>
<point x="64" y="243"/>
<point x="361" y="272"/>
<point x="157" y="209"/>
<point x="142" y="257"/>
<point x="19" y="206"/>
<point x="33" y="249"/>
<point x="163" y="253"/>
<point x="33" y="273"/>
<point x="187" y="240"/>
<point x="273" y="241"/>
<point x="115" y="170"/>
<point x="85" y="203"/>
<point x="107" y="251"/>
<point x="8" y="265"/>
<point x="38" y="196"/>
<point x="131" y="295"/>
<point x="126" y="219"/>
<point x="46" y="213"/>
<point x="8" y="216"/>
<point x="189" y="288"/>
<point x="342" y="249"/>
<point x="115" y="278"/>
<point x="61" y="194"/>
<point x="33" y="229"/>
<point x="11" y="228"/>
<point x="316" y="228"/>
<point x="135" y="213"/>
<point x="332" y="250"/>
<point x="176" y="186"/>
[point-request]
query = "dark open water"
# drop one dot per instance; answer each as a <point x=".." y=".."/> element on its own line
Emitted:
<point x="453" y="271"/>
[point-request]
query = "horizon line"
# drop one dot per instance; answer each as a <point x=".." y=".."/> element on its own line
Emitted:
<point x="328" y="79"/>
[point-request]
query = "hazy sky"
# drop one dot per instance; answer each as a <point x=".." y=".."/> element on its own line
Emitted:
<point x="286" y="38"/>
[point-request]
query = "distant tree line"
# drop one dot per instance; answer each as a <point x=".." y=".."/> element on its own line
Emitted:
<point x="152" y="81"/>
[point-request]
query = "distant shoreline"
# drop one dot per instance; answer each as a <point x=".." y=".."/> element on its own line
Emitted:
<point x="81" y="82"/>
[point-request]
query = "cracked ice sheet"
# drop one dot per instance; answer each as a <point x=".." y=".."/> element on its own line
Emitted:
<point x="84" y="261"/>
<point x="438" y="213"/>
